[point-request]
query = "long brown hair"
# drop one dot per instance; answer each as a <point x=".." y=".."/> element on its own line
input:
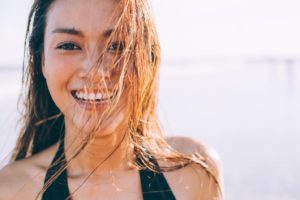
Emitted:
<point x="43" y="123"/>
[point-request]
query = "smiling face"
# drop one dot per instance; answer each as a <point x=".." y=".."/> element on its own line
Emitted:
<point x="78" y="65"/>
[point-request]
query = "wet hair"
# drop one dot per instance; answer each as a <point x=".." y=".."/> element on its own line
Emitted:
<point x="43" y="122"/>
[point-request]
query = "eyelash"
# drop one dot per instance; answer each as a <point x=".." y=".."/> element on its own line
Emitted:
<point x="66" y="46"/>
<point x="115" y="47"/>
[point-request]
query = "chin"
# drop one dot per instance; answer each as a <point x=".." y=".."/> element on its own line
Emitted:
<point x="91" y="123"/>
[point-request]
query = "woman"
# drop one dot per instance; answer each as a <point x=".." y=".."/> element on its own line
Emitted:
<point x="90" y="126"/>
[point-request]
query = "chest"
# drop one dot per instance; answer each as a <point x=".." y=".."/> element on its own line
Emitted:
<point x="135" y="186"/>
<point x="126" y="186"/>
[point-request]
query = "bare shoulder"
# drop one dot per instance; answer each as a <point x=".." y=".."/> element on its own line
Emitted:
<point x="12" y="179"/>
<point x="206" y="177"/>
<point x="190" y="146"/>
<point x="22" y="179"/>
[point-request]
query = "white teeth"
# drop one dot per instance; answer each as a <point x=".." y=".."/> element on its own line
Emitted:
<point x="81" y="95"/>
<point x="98" y="96"/>
<point x="92" y="96"/>
<point x="86" y="96"/>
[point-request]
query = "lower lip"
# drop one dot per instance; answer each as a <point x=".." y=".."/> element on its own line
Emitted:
<point x="92" y="105"/>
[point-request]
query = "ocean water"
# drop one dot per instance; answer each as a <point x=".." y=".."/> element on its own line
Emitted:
<point x="247" y="110"/>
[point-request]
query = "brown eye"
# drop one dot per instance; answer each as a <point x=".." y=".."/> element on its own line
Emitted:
<point x="116" y="47"/>
<point x="69" y="46"/>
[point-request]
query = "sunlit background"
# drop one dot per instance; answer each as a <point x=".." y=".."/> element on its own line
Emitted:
<point x="230" y="77"/>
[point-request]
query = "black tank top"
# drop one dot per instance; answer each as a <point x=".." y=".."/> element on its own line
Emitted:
<point x="154" y="185"/>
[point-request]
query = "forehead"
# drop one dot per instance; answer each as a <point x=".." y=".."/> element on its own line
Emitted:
<point x="87" y="15"/>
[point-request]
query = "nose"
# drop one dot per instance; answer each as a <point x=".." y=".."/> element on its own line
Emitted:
<point x="93" y="66"/>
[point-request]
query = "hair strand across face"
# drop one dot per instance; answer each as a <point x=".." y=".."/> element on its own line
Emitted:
<point x="136" y="58"/>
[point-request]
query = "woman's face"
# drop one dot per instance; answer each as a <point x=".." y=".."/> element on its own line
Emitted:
<point x="75" y="36"/>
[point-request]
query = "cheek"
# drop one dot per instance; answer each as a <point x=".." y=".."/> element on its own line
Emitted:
<point x="58" y="67"/>
<point x="58" y="73"/>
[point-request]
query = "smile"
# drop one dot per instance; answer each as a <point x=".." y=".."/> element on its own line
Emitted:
<point x="92" y="97"/>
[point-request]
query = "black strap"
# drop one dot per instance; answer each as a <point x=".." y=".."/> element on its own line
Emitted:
<point x="59" y="189"/>
<point x="154" y="185"/>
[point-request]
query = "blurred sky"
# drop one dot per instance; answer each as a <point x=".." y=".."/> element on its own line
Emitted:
<point x="191" y="29"/>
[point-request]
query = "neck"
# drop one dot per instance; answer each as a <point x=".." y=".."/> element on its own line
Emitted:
<point x="102" y="154"/>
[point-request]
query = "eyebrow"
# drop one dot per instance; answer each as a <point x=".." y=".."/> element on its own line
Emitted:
<point x="73" y="31"/>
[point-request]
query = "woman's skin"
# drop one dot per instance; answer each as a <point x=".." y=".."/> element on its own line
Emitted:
<point x="68" y="58"/>
<point x="75" y="36"/>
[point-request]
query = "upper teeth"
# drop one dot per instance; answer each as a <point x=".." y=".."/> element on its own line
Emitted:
<point x="92" y="96"/>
